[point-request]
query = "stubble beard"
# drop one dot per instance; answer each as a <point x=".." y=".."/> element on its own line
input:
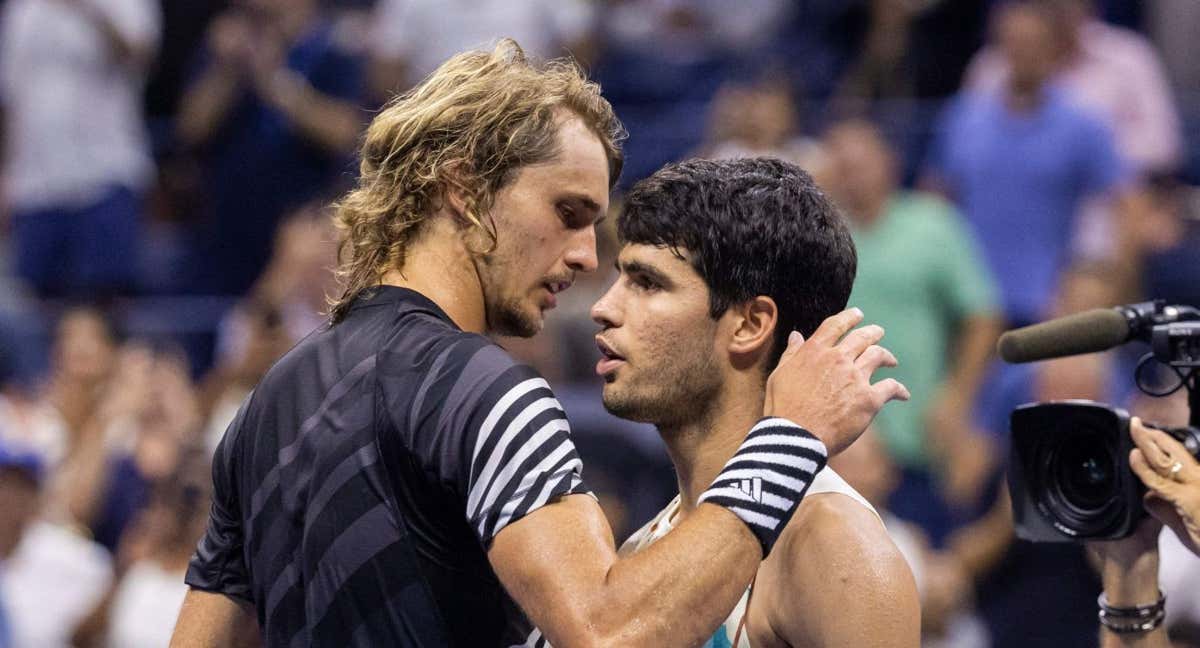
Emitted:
<point x="674" y="396"/>
<point x="506" y="314"/>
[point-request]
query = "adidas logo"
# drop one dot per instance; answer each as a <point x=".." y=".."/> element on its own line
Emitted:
<point x="753" y="488"/>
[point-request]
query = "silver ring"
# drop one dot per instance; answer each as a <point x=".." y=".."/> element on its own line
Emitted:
<point x="1176" y="468"/>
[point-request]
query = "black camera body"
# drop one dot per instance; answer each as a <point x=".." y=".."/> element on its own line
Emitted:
<point x="1069" y="474"/>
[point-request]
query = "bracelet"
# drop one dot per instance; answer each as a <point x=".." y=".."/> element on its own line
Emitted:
<point x="1131" y="620"/>
<point x="1136" y="612"/>
<point x="1131" y="626"/>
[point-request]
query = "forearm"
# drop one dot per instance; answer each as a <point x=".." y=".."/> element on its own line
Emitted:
<point x="980" y="545"/>
<point x="1131" y="585"/>
<point x="86" y="476"/>
<point x="331" y="123"/>
<point x="210" y="620"/>
<point x="976" y="340"/>
<point x="560" y="565"/>
<point x="206" y="103"/>
<point x="677" y="591"/>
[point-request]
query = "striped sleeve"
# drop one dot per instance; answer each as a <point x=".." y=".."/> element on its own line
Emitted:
<point x="521" y="455"/>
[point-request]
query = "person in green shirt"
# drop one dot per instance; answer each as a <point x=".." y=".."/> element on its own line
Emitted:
<point x="921" y="276"/>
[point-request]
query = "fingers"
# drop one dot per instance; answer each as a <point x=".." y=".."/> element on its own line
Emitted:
<point x="834" y="327"/>
<point x="889" y="389"/>
<point x="875" y="357"/>
<point x="1158" y="445"/>
<point x="859" y="340"/>
<point x="1149" y="476"/>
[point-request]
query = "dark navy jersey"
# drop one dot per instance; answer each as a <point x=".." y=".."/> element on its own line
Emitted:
<point x="359" y="487"/>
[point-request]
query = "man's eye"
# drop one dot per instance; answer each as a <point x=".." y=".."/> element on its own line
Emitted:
<point x="570" y="218"/>
<point x="645" y="283"/>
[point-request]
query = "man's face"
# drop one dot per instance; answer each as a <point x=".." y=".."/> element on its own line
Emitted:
<point x="1028" y="41"/>
<point x="659" y="346"/>
<point x="84" y="348"/>
<point x="861" y="165"/>
<point x="545" y="222"/>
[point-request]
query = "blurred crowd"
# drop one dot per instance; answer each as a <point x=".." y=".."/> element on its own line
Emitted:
<point x="167" y="168"/>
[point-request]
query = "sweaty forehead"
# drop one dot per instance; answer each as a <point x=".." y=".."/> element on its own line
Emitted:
<point x="579" y="168"/>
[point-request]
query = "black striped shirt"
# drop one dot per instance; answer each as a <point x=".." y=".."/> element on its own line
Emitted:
<point x="360" y="485"/>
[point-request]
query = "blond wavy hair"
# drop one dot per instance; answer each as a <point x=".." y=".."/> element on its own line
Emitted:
<point x="468" y="127"/>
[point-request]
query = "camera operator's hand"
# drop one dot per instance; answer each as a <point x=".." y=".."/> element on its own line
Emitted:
<point x="824" y="383"/>
<point x="1172" y="477"/>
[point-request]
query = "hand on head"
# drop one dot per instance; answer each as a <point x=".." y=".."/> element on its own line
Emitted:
<point x="824" y="383"/>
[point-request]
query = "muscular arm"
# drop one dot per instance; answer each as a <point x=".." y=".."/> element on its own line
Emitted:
<point x="209" y="620"/>
<point x="859" y="592"/>
<point x="561" y="566"/>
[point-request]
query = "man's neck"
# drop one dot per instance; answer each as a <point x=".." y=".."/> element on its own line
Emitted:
<point x="439" y="266"/>
<point x="1025" y="97"/>
<point x="868" y="211"/>
<point x="701" y="448"/>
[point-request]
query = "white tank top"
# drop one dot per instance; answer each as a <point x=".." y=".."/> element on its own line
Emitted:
<point x="732" y="633"/>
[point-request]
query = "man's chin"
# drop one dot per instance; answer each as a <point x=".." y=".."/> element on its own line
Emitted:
<point x="517" y="323"/>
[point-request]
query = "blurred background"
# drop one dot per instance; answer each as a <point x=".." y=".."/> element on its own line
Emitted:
<point x="167" y="167"/>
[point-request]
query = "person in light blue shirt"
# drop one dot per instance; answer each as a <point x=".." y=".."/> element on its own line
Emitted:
<point x="1019" y="161"/>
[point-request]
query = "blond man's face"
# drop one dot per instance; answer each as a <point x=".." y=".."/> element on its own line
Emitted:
<point x="545" y="222"/>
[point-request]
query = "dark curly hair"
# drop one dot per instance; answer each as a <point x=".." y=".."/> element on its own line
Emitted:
<point x="756" y="226"/>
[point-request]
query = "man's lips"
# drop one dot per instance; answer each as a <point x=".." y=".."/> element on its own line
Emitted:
<point x="552" y="288"/>
<point x="610" y="360"/>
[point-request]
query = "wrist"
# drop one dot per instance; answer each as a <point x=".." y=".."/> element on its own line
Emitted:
<point x="1131" y="583"/>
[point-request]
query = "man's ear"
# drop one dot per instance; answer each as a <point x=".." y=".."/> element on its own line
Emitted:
<point x="454" y="203"/>
<point x="754" y="327"/>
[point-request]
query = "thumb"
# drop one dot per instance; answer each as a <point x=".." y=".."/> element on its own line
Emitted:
<point x="794" y="341"/>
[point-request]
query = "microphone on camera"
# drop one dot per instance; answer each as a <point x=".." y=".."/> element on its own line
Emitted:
<point x="1091" y="331"/>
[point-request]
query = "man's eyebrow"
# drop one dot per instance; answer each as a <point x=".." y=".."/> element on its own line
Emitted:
<point x="584" y="201"/>
<point x="646" y="270"/>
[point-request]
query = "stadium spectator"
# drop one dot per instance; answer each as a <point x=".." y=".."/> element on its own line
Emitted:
<point x="50" y="420"/>
<point x="77" y="158"/>
<point x="147" y="419"/>
<point x="941" y="315"/>
<point x="50" y="575"/>
<point x="141" y="606"/>
<point x="274" y="115"/>
<point x="758" y="119"/>
<point x="1113" y="72"/>
<point x="1020" y="159"/>
<point x="410" y="38"/>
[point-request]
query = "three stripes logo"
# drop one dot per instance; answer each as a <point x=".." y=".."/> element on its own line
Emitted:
<point x="753" y="488"/>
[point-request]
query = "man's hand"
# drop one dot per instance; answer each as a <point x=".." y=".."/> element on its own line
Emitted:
<point x="824" y="384"/>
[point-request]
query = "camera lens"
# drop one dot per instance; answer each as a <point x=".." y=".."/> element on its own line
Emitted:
<point x="1086" y="475"/>
<point x="1078" y="481"/>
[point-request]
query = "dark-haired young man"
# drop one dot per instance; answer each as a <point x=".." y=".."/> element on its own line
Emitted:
<point x="721" y="261"/>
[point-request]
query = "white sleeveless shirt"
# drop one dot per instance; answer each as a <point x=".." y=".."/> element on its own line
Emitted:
<point x="732" y="633"/>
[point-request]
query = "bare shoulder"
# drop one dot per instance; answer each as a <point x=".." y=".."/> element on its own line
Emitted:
<point x="837" y="578"/>
<point x="835" y="526"/>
